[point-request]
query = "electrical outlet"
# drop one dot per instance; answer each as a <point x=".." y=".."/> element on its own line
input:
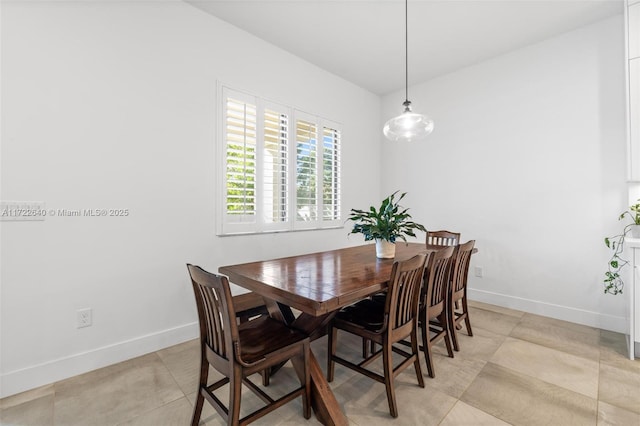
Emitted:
<point x="478" y="271"/>
<point x="84" y="317"/>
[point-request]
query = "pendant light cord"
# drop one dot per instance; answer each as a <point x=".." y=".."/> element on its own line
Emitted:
<point x="406" y="51"/>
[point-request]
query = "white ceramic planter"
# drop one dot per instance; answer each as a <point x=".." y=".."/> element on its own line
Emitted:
<point x="385" y="249"/>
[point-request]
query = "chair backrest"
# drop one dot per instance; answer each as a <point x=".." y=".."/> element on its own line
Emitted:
<point x="218" y="327"/>
<point x="439" y="239"/>
<point x="437" y="276"/>
<point x="403" y="292"/>
<point x="461" y="269"/>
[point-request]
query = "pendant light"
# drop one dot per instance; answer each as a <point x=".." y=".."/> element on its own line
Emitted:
<point x="408" y="126"/>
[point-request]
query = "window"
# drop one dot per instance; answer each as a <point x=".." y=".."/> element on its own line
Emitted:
<point x="280" y="167"/>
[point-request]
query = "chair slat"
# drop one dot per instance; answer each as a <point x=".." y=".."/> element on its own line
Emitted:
<point x="440" y="239"/>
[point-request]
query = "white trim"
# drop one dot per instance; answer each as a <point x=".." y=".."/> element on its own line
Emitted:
<point x="566" y="313"/>
<point x="627" y="93"/>
<point x="48" y="372"/>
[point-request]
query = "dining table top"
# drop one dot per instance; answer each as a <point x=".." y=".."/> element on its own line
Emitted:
<point x="322" y="282"/>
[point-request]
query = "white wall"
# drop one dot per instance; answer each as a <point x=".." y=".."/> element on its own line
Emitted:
<point x="113" y="105"/>
<point x="527" y="158"/>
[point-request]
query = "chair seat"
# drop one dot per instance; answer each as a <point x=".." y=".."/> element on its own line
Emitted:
<point x="264" y="335"/>
<point x="367" y="313"/>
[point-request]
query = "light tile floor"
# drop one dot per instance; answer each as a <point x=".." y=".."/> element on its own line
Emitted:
<point x="518" y="368"/>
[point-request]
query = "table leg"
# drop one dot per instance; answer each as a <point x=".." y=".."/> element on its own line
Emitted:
<point x="323" y="401"/>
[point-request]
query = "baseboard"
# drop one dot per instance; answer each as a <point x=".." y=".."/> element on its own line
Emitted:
<point x="42" y="374"/>
<point x="35" y="376"/>
<point x="580" y="316"/>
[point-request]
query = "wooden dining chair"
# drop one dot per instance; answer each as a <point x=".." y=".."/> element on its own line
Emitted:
<point x="440" y="239"/>
<point x="433" y="315"/>
<point x="240" y="350"/>
<point x="459" y="311"/>
<point x="384" y="324"/>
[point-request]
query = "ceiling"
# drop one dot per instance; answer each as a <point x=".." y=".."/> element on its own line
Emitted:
<point x="362" y="41"/>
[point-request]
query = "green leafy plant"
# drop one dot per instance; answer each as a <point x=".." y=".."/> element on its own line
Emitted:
<point x="390" y="222"/>
<point x="613" y="282"/>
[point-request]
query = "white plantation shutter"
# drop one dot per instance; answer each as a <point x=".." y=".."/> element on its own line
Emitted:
<point x="275" y="166"/>
<point x="280" y="168"/>
<point x="331" y="173"/>
<point x="306" y="171"/>
<point x="241" y="149"/>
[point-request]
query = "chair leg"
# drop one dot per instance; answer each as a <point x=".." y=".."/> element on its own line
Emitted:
<point x="447" y="337"/>
<point x="388" y="378"/>
<point x="333" y="336"/>
<point x="197" y="409"/>
<point x="204" y="376"/>
<point x="458" y="305"/>
<point x="368" y="347"/>
<point x="452" y="329"/>
<point x="426" y="347"/>
<point x="235" y="392"/>
<point x="415" y="349"/>
<point x="306" y="401"/>
<point x="467" y="321"/>
<point x="266" y="374"/>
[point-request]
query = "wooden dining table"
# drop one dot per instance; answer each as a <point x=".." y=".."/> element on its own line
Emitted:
<point x="317" y="285"/>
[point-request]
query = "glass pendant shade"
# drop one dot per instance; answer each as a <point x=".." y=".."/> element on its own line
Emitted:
<point x="408" y="126"/>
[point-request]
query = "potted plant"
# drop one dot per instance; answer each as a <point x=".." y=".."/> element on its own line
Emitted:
<point x="613" y="283"/>
<point x="385" y="225"/>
